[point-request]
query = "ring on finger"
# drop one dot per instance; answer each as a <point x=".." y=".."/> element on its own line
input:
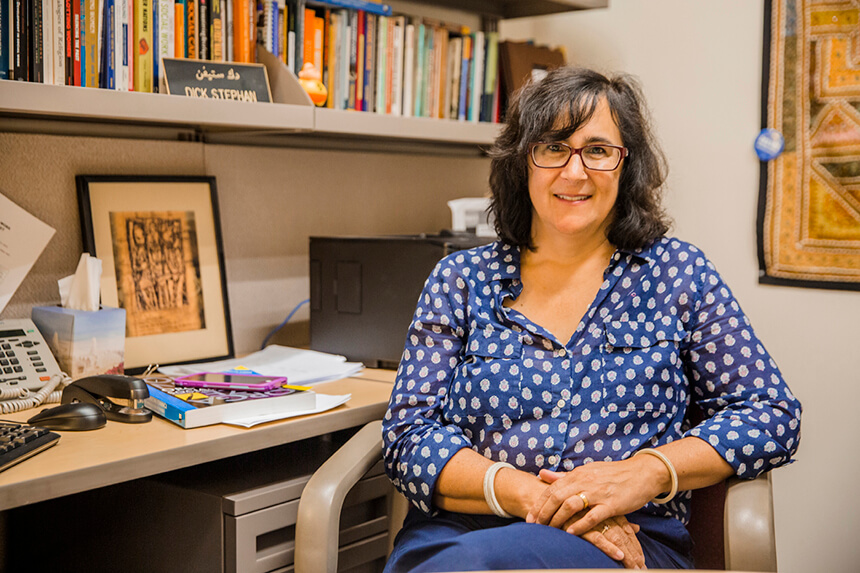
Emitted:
<point x="606" y="527"/>
<point x="584" y="501"/>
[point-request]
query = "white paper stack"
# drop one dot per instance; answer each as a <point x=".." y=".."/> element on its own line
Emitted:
<point x="302" y="367"/>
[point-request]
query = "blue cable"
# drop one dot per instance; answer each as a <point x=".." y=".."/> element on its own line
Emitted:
<point x="286" y="320"/>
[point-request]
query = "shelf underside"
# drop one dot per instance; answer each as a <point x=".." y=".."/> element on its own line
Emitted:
<point x="38" y="108"/>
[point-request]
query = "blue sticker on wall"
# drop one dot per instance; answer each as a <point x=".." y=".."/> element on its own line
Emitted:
<point x="769" y="144"/>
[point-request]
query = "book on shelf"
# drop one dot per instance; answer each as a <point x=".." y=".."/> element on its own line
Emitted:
<point x="166" y="41"/>
<point x="196" y="407"/>
<point x="203" y="29"/>
<point x="143" y="46"/>
<point x="370" y="59"/>
<point x="377" y="8"/>
<point x="90" y="69"/>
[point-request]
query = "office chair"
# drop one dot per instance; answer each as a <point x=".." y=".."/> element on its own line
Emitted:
<point x="745" y="541"/>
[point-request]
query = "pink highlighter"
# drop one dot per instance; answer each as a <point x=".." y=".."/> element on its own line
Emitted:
<point x="224" y="381"/>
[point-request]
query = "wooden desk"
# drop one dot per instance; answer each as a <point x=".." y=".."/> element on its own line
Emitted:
<point x="82" y="461"/>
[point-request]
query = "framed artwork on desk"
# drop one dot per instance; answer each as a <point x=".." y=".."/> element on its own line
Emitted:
<point x="159" y="240"/>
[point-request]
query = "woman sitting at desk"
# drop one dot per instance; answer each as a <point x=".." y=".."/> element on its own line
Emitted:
<point x="539" y="418"/>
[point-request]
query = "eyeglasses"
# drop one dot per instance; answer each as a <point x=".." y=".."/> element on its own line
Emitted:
<point x="595" y="157"/>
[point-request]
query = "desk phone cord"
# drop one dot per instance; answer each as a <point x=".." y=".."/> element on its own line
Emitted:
<point x="17" y="399"/>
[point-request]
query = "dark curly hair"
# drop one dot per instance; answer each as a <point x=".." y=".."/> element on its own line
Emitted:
<point x="570" y="95"/>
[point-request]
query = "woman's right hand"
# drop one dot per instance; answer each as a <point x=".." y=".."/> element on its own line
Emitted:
<point x="616" y="537"/>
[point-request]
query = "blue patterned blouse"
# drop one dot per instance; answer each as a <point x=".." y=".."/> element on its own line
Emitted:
<point x="662" y="332"/>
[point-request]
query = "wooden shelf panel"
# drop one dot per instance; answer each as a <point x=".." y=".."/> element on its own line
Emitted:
<point x="76" y="104"/>
<point x="379" y="126"/>
<point x="89" y="109"/>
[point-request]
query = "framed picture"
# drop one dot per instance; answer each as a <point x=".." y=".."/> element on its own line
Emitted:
<point x="159" y="241"/>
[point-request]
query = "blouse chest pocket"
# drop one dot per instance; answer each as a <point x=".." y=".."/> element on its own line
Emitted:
<point x="485" y="389"/>
<point x="642" y="368"/>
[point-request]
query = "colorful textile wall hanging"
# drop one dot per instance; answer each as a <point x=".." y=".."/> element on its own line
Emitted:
<point x="809" y="203"/>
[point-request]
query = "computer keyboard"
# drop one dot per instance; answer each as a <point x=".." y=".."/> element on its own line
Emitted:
<point x="21" y="441"/>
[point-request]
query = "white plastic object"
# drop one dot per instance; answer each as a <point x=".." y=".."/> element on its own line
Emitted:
<point x="472" y="214"/>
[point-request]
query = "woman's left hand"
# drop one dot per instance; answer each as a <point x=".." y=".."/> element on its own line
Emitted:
<point x="578" y="500"/>
<point x="616" y="537"/>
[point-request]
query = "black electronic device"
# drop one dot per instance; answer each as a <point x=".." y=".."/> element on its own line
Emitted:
<point x="74" y="417"/>
<point x="103" y="389"/>
<point x="20" y="441"/>
<point x="364" y="290"/>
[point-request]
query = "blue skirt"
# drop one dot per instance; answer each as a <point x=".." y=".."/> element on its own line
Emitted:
<point x="461" y="542"/>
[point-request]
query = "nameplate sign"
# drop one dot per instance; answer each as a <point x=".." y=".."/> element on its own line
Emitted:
<point x="216" y="80"/>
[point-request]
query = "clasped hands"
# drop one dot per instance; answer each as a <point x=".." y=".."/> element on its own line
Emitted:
<point x="591" y="501"/>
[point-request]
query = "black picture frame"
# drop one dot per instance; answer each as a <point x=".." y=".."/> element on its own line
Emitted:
<point x="159" y="240"/>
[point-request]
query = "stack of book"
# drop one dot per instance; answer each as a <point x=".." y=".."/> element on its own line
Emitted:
<point x="370" y="58"/>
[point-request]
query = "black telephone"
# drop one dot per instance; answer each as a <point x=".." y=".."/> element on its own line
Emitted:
<point x="100" y="389"/>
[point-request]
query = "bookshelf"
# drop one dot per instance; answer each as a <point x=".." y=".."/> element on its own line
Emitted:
<point x="39" y="108"/>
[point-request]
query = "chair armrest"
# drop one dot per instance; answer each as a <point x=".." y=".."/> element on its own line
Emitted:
<point x="318" y="521"/>
<point x="750" y="541"/>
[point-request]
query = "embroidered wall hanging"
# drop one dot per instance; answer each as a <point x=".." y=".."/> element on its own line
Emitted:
<point x="809" y="202"/>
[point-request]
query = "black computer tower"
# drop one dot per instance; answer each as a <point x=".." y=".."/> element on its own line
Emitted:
<point x="364" y="291"/>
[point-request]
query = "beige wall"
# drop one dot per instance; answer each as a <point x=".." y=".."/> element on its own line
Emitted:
<point x="700" y="65"/>
<point x="271" y="201"/>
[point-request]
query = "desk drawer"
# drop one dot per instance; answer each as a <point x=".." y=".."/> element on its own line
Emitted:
<point x="263" y="540"/>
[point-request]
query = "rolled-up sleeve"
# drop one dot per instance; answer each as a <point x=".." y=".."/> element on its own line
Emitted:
<point x="417" y="443"/>
<point x="751" y="417"/>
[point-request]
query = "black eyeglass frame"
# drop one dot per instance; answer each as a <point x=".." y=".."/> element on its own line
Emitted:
<point x="578" y="151"/>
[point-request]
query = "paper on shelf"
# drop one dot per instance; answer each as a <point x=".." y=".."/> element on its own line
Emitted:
<point x="23" y="237"/>
<point x="298" y="365"/>
<point x="324" y="402"/>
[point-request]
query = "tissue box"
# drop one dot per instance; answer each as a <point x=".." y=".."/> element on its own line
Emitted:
<point x="84" y="342"/>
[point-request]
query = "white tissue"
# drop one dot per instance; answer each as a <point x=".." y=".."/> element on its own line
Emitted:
<point x="81" y="290"/>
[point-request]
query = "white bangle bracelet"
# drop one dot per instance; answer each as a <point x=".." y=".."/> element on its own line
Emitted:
<point x="674" y="475"/>
<point x="490" y="490"/>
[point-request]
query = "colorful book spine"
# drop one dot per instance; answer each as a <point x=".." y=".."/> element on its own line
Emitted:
<point x="156" y="45"/>
<point x="128" y="64"/>
<point x="307" y="37"/>
<point x="68" y="29"/>
<point x="216" y="31"/>
<point x="191" y="29"/>
<point x="202" y="29"/>
<point x="76" y="22"/>
<point x="464" y="77"/>
<point x="376" y="8"/>
<point x="440" y="52"/>
<point x="344" y="46"/>
<point x="318" y="41"/>
<point x="119" y="24"/>
<point x="408" y="69"/>
<point x="107" y="79"/>
<point x="491" y="70"/>
<point x="331" y="75"/>
<point x="166" y="42"/>
<point x="47" y="40"/>
<point x="418" y="85"/>
<point x="240" y="32"/>
<point x="180" y="9"/>
<point x="398" y="28"/>
<point x="34" y="36"/>
<point x="359" y="61"/>
<point x="369" y="62"/>
<point x="227" y="21"/>
<point x="455" y="57"/>
<point x="381" y="63"/>
<point x="143" y="74"/>
<point x="476" y="82"/>
<point x="58" y="42"/>
<point x="5" y="37"/>
<point x="91" y="44"/>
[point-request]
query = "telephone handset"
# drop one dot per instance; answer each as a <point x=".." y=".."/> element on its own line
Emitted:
<point x="25" y="359"/>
